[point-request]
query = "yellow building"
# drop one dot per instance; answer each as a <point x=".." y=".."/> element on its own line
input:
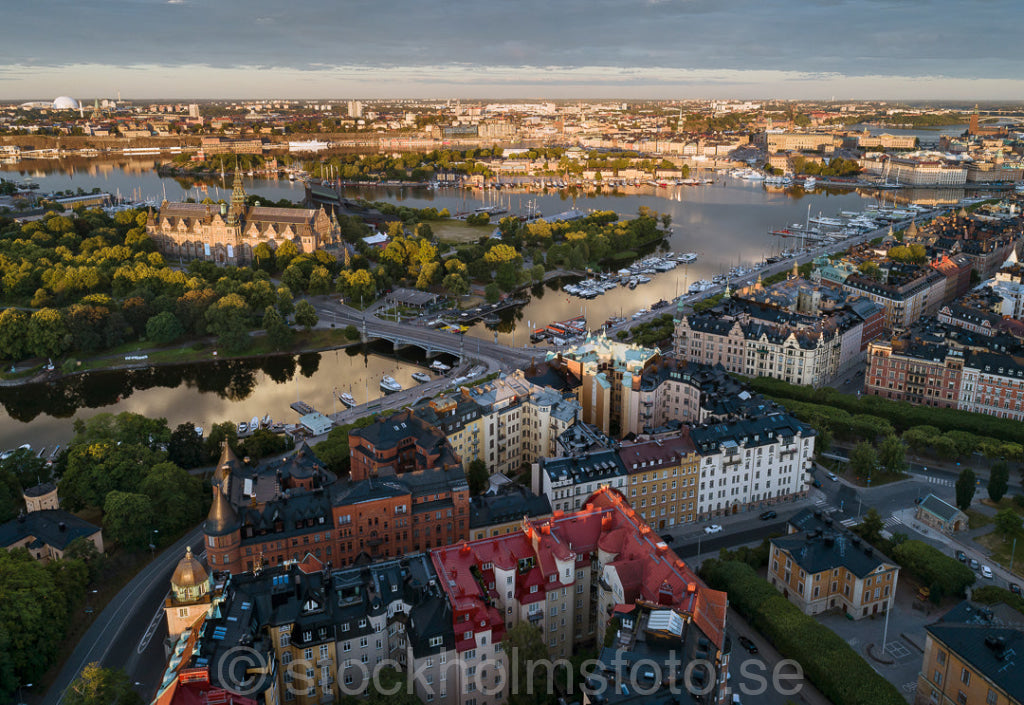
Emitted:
<point x="969" y="657"/>
<point x="190" y="596"/>
<point x="832" y="570"/>
<point x="664" y="477"/>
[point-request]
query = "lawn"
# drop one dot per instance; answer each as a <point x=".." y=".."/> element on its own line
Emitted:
<point x="1005" y="503"/>
<point x="1000" y="551"/>
<point x="977" y="520"/>
<point x="459" y="231"/>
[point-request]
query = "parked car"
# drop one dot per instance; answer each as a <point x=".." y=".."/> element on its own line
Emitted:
<point x="817" y="483"/>
<point x="986" y="572"/>
<point x="974" y="564"/>
<point x="832" y="476"/>
<point x="747" y="644"/>
<point x="667" y="538"/>
<point x="1015" y="588"/>
<point x="961" y="556"/>
<point x="770" y="514"/>
<point x="712" y="529"/>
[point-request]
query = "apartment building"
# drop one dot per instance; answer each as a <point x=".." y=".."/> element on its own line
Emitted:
<point x="401" y="443"/>
<point x="907" y="294"/>
<point x="567" y="481"/>
<point x="664" y="479"/>
<point x="970" y="657"/>
<point x="993" y="384"/>
<point x="502" y="512"/>
<point x="1009" y="287"/>
<point x="751" y="463"/>
<point x="915" y="370"/>
<point x="829" y="570"/>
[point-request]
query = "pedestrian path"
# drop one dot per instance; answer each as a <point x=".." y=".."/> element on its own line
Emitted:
<point x="849" y="521"/>
<point x="934" y="480"/>
<point x="893" y="521"/>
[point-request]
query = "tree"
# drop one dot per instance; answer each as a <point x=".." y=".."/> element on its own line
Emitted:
<point x="351" y="332"/>
<point x="1007" y="523"/>
<point x="478" y="477"/>
<point x="500" y="253"/>
<point x="893" y="455"/>
<point x="871" y="526"/>
<point x="101" y="686"/>
<point x="85" y="551"/>
<point x="26" y="467"/>
<point x="164" y="328"/>
<point x="492" y="293"/>
<point x="128" y="519"/>
<point x="965" y="487"/>
<point x="185" y="449"/>
<point x="176" y="498"/>
<point x="524" y="646"/>
<point x="228" y="319"/>
<point x="319" y="281"/>
<point x="305" y="314"/>
<point x="220" y="432"/>
<point x="285" y="253"/>
<point x="278" y="332"/>
<point x="47" y="334"/>
<point x="998" y="481"/>
<point x="13" y="334"/>
<point x="863" y="459"/>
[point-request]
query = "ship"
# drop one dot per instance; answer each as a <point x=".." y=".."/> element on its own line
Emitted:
<point x="346" y="399"/>
<point x="562" y="330"/>
<point x="420" y="376"/>
<point x="389" y="385"/>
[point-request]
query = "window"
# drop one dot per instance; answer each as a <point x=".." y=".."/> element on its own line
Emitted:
<point x="991" y="698"/>
<point x="183" y="612"/>
<point x="940" y="657"/>
<point x="965" y="676"/>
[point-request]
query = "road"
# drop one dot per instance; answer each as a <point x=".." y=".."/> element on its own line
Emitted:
<point x="129" y="632"/>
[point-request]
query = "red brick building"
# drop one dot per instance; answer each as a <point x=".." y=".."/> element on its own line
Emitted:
<point x="398" y="444"/>
<point x="914" y="371"/>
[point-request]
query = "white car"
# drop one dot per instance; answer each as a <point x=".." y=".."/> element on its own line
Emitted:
<point x="712" y="529"/>
<point x="986" y="572"/>
<point x="832" y="476"/>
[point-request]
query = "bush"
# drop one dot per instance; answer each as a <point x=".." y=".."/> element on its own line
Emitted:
<point x="931" y="567"/>
<point x="827" y="660"/>
<point x="992" y="595"/>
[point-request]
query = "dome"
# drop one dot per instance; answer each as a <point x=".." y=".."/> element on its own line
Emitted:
<point x="65" y="103"/>
<point x="189" y="573"/>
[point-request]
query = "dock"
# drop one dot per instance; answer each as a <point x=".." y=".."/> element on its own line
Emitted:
<point x="302" y="408"/>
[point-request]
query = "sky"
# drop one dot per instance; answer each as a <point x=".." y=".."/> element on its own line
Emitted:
<point x="631" y="49"/>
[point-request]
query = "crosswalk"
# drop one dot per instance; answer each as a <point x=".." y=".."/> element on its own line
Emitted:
<point x="935" y="480"/>
<point x="893" y="521"/>
<point x="848" y="522"/>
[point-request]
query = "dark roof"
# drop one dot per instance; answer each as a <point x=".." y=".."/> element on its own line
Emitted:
<point x="511" y="504"/>
<point x="942" y="509"/>
<point x="40" y="490"/>
<point x="749" y="432"/>
<point x="832" y="549"/>
<point x="990" y="639"/>
<point x="46" y="527"/>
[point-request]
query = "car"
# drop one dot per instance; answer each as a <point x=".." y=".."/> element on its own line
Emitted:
<point x="712" y="529"/>
<point x="848" y="380"/>
<point x="770" y="514"/>
<point x="986" y="572"/>
<point x="817" y="483"/>
<point x="1015" y="588"/>
<point x="974" y="564"/>
<point x="667" y="538"/>
<point x="961" y="556"/>
<point x="747" y="644"/>
<point x="832" y="476"/>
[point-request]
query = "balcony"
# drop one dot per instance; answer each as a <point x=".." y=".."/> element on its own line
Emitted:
<point x="536" y="616"/>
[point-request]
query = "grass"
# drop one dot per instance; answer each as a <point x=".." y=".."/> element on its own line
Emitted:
<point x="21" y="374"/>
<point x="459" y="231"/>
<point x="976" y="519"/>
<point x="999" y="551"/>
<point x="1005" y="503"/>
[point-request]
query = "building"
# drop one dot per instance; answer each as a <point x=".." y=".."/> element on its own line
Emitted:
<point x="190" y="597"/>
<point x="568" y="575"/>
<point x="993" y="384"/>
<point x="751" y="463"/>
<point x="1009" y="286"/>
<point x="280" y="511"/>
<point x="915" y="370"/>
<point x="400" y="443"/>
<point x="45" y="529"/>
<point x="567" y="481"/>
<point x="907" y="293"/>
<point x="940" y="515"/>
<point x="502" y="512"/>
<point x="779" y="141"/>
<point x="971" y="656"/>
<point x="228" y="233"/>
<point x="831" y="570"/>
<point x="664" y="479"/>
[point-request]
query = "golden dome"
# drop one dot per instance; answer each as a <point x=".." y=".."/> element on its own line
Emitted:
<point x="189" y="573"/>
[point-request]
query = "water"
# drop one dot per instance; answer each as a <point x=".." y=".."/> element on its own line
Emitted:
<point x="203" y="394"/>
<point x="726" y="223"/>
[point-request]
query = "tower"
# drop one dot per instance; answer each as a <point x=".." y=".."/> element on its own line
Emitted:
<point x="223" y="536"/>
<point x="972" y="128"/>
<point x="190" y="595"/>
<point x="237" y="209"/>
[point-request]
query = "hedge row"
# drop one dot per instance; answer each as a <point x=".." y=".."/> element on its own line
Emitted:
<point x="900" y="414"/>
<point x="827" y="660"/>
<point x="933" y="568"/>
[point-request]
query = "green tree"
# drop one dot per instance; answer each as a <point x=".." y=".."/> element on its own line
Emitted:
<point x="228" y="319"/>
<point x="285" y="301"/>
<point x="26" y="467"/>
<point x="524" y="646"/>
<point x="13" y="334"/>
<point x="101" y="686"/>
<point x="998" y="481"/>
<point x="128" y="519"/>
<point x="478" y="477"/>
<point x="94" y="470"/>
<point x="285" y="253"/>
<point x="892" y="454"/>
<point x="48" y="334"/>
<point x="870" y="527"/>
<point x="176" y="497"/>
<point x="319" y="281"/>
<point x="351" y="332"/>
<point x="185" y="449"/>
<point x="220" y="433"/>
<point x="278" y="332"/>
<point x="965" y="487"/>
<point x="492" y="293"/>
<point x="305" y="315"/>
<point x="1007" y="523"/>
<point x="164" y="328"/>
<point x="863" y="459"/>
<point x="263" y="257"/>
<point x="85" y="551"/>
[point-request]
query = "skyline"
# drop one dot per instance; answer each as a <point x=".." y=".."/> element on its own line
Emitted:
<point x="647" y="49"/>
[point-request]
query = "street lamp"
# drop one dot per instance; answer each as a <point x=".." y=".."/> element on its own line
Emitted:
<point x="21" y="698"/>
<point x="152" y="542"/>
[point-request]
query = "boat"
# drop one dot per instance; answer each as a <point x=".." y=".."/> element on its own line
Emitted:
<point x="243" y="427"/>
<point x="6" y="454"/>
<point x="267" y="421"/>
<point x="809" y="183"/>
<point x="632" y="283"/>
<point x="25" y="446"/>
<point x="688" y="257"/>
<point x="439" y="366"/>
<point x="421" y="376"/>
<point x="389" y="385"/>
<point x="346" y="399"/>
<point x="199" y="431"/>
<point x="254" y="424"/>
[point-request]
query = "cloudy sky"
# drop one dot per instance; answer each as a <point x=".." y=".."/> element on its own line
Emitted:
<point x="892" y="49"/>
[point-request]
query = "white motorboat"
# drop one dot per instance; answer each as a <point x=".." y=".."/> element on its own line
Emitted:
<point x="688" y="257"/>
<point x="254" y="423"/>
<point x="243" y="427"/>
<point x="199" y="431"/>
<point x="420" y="376"/>
<point x="347" y="399"/>
<point x="389" y="385"/>
<point x="439" y="366"/>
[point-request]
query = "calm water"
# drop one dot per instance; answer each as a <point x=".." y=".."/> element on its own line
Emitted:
<point x="726" y="223"/>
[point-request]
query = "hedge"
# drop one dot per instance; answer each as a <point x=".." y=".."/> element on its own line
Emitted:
<point x="933" y="568"/>
<point x="902" y="415"/>
<point x="828" y="662"/>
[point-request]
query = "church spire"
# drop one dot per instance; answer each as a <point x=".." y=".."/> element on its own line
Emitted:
<point x="237" y="200"/>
